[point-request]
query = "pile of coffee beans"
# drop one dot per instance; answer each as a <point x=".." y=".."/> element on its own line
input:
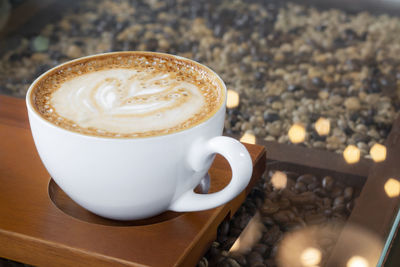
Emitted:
<point x="307" y="201"/>
<point x="290" y="63"/>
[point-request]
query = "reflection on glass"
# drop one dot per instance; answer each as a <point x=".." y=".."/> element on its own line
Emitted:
<point x="279" y="180"/>
<point x="357" y="261"/>
<point x="251" y="235"/>
<point x="232" y="100"/>
<point x="248" y="138"/>
<point x="322" y="126"/>
<point x="310" y="256"/>
<point x="313" y="246"/>
<point x="392" y="187"/>
<point x="351" y="154"/>
<point x="378" y="152"/>
<point x="297" y="133"/>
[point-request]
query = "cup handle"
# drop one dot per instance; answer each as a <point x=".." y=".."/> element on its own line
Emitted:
<point x="201" y="152"/>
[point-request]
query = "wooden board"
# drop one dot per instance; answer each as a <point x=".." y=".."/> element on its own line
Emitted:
<point x="34" y="229"/>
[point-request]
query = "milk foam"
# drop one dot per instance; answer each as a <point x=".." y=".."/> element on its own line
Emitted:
<point x="128" y="94"/>
<point x="127" y="100"/>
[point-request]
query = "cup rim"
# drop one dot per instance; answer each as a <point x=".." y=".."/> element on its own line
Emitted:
<point x="33" y="111"/>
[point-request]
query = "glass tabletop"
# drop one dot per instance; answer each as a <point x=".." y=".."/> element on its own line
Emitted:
<point x="319" y="87"/>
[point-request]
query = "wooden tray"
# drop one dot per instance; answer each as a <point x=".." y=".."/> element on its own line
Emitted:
<point x="40" y="225"/>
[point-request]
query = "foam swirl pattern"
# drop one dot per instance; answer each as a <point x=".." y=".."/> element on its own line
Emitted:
<point x="127" y="101"/>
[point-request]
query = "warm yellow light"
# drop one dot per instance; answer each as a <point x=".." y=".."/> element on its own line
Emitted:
<point x="322" y="126"/>
<point x="279" y="180"/>
<point x="250" y="235"/>
<point x="378" y="152"/>
<point x="357" y="261"/>
<point x="351" y="154"/>
<point x="297" y="133"/>
<point x="236" y="246"/>
<point x="310" y="257"/>
<point x="392" y="187"/>
<point x="248" y="138"/>
<point x="232" y="100"/>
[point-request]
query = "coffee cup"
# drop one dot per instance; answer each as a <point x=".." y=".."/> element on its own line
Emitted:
<point x="129" y="135"/>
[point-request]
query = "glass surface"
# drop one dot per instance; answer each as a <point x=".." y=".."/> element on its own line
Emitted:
<point x="303" y="79"/>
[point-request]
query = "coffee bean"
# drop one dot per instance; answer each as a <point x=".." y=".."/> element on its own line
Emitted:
<point x="338" y="201"/>
<point x="274" y="250"/>
<point x="232" y="262"/>
<point x="284" y="203"/>
<point x="300" y="187"/>
<point x="254" y="257"/>
<point x="271" y="116"/>
<point x="307" y="179"/>
<point x="312" y="186"/>
<point x="258" y="201"/>
<point x="250" y="207"/>
<point x="281" y="217"/>
<point x="203" y="262"/>
<point x="235" y="231"/>
<point x="328" y="212"/>
<point x="223" y="263"/>
<point x="350" y="206"/>
<point x="291" y="226"/>
<point x="239" y="258"/>
<point x="223" y="229"/>
<point x="327" y="202"/>
<point x="327" y="183"/>
<point x="303" y="198"/>
<point x="261" y="248"/>
<point x="271" y="236"/>
<point x="273" y="195"/>
<point x="294" y="209"/>
<point x="336" y="191"/>
<point x="269" y="207"/>
<point x="287" y="193"/>
<point x="320" y="192"/>
<point x="348" y="193"/>
<point x="339" y="208"/>
<point x="267" y="221"/>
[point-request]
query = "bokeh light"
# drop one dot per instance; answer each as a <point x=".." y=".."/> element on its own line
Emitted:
<point x="250" y="235"/>
<point x="279" y="180"/>
<point x="357" y="261"/>
<point x="297" y="133"/>
<point x="351" y="154"/>
<point x="307" y="246"/>
<point x="392" y="187"/>
<point x="232" y="100"/>
<point x="248" y="138"/>
<point x="311" y="256"/>
<point x="378" y="152"/>
<point x="322" y="126"/>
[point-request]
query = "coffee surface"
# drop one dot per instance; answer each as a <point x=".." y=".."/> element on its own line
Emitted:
<point x="128" y="95"/>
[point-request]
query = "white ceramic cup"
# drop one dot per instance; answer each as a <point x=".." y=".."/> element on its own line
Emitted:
<point x="128" y="179"/>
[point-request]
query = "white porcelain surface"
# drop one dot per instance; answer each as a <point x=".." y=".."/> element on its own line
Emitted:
<point x="128" y="179"/>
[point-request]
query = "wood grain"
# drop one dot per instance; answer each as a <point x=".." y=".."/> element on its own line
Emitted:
<point x="34" y="230"/>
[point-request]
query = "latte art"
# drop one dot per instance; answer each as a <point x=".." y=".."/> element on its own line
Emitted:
<point x="126" y="101"/>
<point x="130" y="95"/>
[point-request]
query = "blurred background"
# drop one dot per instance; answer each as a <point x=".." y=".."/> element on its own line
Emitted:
<point x="319" y="74"/>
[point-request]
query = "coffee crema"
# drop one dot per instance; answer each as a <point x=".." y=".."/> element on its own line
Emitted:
<point x="128" y="94"/>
